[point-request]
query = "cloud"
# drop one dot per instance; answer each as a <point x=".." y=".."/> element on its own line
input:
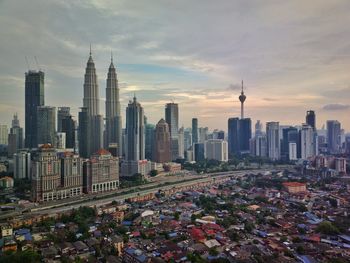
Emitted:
<point x="193" y="52"/>
<point x="336" y="107"/>
<point x="235" y="87"/>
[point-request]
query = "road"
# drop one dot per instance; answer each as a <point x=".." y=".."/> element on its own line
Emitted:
<point x="101" y="199"/>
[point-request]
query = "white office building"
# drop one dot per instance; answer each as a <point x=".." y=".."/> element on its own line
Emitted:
<point x="216" y="149"/>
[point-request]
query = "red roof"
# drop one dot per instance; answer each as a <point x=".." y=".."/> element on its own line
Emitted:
<point x="46" y="146"/>
<point x="197" y="234"/>
<point x="293" y="184"/>
<point x="136" y="234"/>
<point x="102" y="152"/>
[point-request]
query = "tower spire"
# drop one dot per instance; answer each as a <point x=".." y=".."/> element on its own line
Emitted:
<point x="242" y="99"/>
<point x="111" y="56"/>
<point x="90" y="49"/>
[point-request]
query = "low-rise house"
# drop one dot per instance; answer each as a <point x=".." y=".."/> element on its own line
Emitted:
<point x="80" y="247"/>
<point x="133" y="255"/>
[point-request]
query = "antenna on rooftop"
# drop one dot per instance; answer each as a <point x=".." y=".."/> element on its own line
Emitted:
<point x="27" y="62"/>
<point x="37" y="64"/>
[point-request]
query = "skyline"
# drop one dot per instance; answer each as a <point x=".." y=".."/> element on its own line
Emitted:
<point x="161" y="63"/>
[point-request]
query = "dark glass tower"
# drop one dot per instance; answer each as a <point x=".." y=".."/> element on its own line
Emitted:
<point x="46" y="123"/>
<point x="34" y="97"/>
<point x="289" y="135"/>
<point x="84" y="133"/>
<point x="68" y="127"/>
<point x="194" y="130"/>
<point x="233" y="136"/>
<point x="245" y="134"/>
<point x="62" y="113"/>
<point x="311" y="119"/>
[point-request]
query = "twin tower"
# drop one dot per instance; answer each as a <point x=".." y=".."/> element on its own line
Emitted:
<point x="92" y="135"/>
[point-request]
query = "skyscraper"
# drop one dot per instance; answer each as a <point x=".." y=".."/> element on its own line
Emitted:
<point x="198" y="152"/>
<point x="71" y="175"/>
<point x="333" y="136"/>
<point x="162" y="152"/>
<point x="113" y="116"/>
<point x="91" y="103"/>
<point x="194" y="130"/>
<point x="187" y="139"/>
<point x="311" y="119"/>
<point x="46" y="174"/>
<point x="273" y="140"/>
<point x="149" y="139"/>
<point x="46" y="123"/>
<point x="91" y="92"/>
<point x="16" y="134"/>
<point x="84" y="133"/>
<point x="260" y="145"/>
<point x="68" y="127"/>
<point x="181" y="143"/>
<point x="34" y="97"/>
<point x="245" y="134"/>
<point x="258" y="128"/>
<point x="289" y="135"/>
<point x="172" y="118"/>
<point x="216" y="149"/>
<point x="233" y="136"/>
<point x="307" y="141"/>
<point x="135" y="132"/>
<point x="101" y="172"/>
<point x="21" y="164"/>
<point x="62" y="113"/>
<point x="4" y="134"/>
<point x="202" y="134"/>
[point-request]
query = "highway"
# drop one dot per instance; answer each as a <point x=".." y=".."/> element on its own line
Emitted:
<point x="100" y="199"/>
<point x="116" y="196"/>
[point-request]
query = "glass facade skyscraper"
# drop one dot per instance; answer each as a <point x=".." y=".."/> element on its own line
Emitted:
<point x="34" y="97"/>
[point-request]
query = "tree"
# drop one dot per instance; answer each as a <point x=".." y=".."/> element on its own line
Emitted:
<point x="327" y="228"/>
<point x="248" y="226"/>
<point x="300" y="250"/>
<point x="233" y="235"/>
<point x="177" y="216"/>
<point x="27" y="256"/>
<point x="153" y="173"/>
<point x="213" y="251"/>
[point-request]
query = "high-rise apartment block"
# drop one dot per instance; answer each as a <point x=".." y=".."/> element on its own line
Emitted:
<point x="22" y="164"/>
<point x="273" y="140"/>
<point x="307" y="141"/>
<point x="216" y="149"/>
<point x="46" y="174"/>
<point x="101" y="172"/>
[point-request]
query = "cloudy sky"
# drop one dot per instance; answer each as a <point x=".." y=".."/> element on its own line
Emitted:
<point x="292" y="55"/>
